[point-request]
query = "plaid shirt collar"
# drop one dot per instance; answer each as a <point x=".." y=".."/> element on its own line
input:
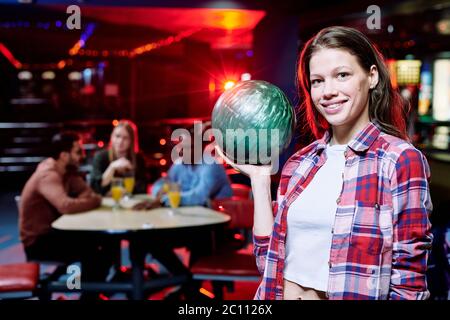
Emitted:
<point x="360" y="143"/>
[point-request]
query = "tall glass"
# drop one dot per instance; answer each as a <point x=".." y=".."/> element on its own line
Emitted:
<point x="117" y="191"/>
<point x="174" y="196"/>
<point x="129" y="182"/>
<point x="165" y="186"/>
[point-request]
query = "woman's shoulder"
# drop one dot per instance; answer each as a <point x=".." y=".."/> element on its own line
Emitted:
<point x="395" y="147"/>
<point x="399" y="153"/>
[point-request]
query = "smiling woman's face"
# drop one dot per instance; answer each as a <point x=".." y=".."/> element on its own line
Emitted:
<point x="120" y="141"/>
<point x="340" y="88"/>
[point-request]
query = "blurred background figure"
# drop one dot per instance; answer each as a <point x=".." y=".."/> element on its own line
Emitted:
<point x="199" y="177"/>
<point x="121" y="159"/>
<point x="54" y="189"/>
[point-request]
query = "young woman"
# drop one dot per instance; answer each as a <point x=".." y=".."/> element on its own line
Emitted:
<point x="121" y="158"/>
<point x="351" y="220"/>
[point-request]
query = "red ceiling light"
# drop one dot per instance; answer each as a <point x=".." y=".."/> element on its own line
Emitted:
<point x="61" y="64"/>
<point x="229" y="19"/>
<point x="212" y="85"/>
<point x="207" y="293"/>
<point x="76" y="47"/>
<point x="8" y="55"/>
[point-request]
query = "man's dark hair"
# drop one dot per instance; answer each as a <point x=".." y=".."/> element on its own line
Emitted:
<point x="63" y="142"/>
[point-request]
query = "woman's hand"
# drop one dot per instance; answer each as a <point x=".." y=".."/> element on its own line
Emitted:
<point x="253" y="171"/>
<point x="122" y="164"/>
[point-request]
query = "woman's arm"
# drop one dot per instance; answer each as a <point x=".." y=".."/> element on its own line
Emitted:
<point x="412" y="236"/>
<point x="260" y="181"/>
<point x="107" y="175"/>
<point x="119" y="164"/>
<point x="263" y="216"/>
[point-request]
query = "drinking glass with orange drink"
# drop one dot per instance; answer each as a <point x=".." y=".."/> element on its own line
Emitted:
<point x="129" y="182"/>
<point x="117" y="191"/>
<point x="174" y="196"/>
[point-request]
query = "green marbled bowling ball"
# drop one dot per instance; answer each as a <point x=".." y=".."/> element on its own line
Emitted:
<point x="259" y="106"/>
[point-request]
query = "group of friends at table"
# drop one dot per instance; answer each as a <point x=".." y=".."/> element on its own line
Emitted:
<point x="56" y="188"/>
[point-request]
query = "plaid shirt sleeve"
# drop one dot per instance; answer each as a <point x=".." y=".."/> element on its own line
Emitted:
<point x="261" y="245"/>
<point x="412" y="237"/>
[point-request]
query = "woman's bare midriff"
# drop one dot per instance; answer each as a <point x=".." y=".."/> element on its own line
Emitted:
<point x="294" y="291"/>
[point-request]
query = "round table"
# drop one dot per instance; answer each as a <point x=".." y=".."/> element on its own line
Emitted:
<point x="135" y="226"/>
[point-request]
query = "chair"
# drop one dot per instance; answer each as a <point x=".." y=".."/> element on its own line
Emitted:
<point x="227" y="265"/>
<point x="46" y="279"/>
<point x="241" y="191"/>
<point x="19" y="278"/>
<point x="240" y="209"/>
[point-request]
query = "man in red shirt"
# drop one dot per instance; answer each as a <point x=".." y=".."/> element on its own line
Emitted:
<point x="54" y="189"/>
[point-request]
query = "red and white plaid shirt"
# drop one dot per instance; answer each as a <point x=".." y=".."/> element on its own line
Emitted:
<point x="381" y="234"/>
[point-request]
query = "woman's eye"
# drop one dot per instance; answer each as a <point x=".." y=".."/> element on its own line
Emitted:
<point x="315" y="82"/>
<point x="343" y="75"/>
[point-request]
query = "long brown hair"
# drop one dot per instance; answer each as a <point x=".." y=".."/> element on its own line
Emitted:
<point x="131" y="129"/>
<point x="386" y="106"/>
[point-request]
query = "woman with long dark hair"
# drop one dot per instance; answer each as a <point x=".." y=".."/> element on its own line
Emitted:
<point x="351" y="219"/>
